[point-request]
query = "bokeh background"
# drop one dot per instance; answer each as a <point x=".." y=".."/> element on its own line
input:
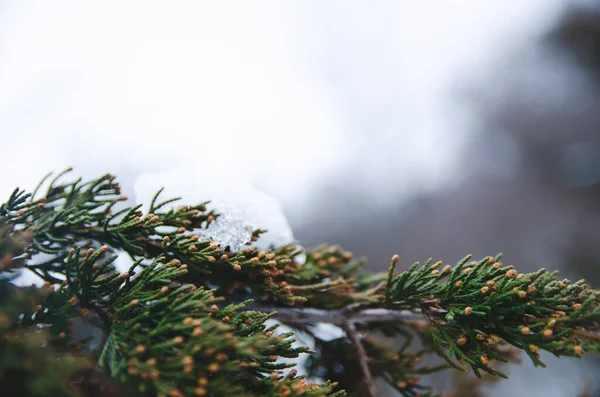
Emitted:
<point x="423" y="128"/>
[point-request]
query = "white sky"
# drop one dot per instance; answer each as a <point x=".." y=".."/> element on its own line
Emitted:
<point x="287" y="94"/>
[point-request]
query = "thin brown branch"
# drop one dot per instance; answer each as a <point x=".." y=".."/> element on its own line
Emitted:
<point x="346" y="318"/>
<point x="586" y="334"/>
<point x="352" y="314"/>
<point x="363" y="359"/>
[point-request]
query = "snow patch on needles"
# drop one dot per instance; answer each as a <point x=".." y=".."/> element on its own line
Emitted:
<point x="229" y="229"/>
<point x="242" y="207"/>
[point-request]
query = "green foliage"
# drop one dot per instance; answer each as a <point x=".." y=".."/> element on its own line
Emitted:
<point x="190" y="318"/>
<point x="483" y="303"/>
<point x="32" y="362"/>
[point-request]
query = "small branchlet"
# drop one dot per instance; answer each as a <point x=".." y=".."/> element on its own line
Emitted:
<point x="480" y="304"/>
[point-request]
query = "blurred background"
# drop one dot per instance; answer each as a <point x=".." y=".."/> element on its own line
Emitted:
<point x="427" y="129"/>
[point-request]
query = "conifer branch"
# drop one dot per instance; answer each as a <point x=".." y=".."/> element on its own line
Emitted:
<point x="189" y="316"/>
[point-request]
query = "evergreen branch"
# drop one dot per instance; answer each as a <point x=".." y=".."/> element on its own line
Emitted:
<point x="189" y="316"/>
<point x="485" y="302"/>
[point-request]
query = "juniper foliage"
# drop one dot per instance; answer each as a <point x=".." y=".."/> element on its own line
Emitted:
<point x="189" y="318"/>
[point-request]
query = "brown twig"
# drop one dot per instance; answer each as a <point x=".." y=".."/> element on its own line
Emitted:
<point x="362" y="359"/>
<point x="586" y="334"/>
<point x="351" y="314"/>
<point x="347" y="318"/>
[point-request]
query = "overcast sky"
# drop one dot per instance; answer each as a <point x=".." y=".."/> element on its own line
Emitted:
<point x="288" y="94"/>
